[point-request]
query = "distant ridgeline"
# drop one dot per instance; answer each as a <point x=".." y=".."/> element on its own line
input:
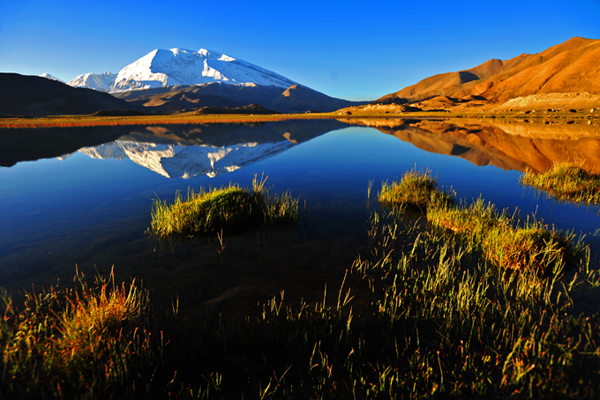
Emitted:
<point x="570" y="67"/>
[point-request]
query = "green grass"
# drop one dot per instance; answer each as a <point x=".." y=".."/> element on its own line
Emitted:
<point x="566" y="181"/>
<point x="228" y="208"/>
<point x="418" y="314"/>
<point x="506" y="241"/>
<point x="417" y="190"/>
<point x="503" y="239"/>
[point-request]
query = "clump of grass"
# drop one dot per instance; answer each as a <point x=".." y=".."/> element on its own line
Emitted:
<point x="228" y="208"/>
<point x="566" y="181"/>
<point x="503" y="239"/>
<point x="76" y="343"/>
<point x="417" y="190"/>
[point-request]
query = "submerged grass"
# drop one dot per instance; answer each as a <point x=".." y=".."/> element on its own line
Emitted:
<point x="416" y="315"/>
<point x="566" y="181"/>
<point x="228" y="208"/>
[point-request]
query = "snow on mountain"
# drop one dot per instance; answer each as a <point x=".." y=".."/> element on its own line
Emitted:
<point x="51" y="77"/>
<point x="164" y="68"/>
<point x="102" y="82"/>
<point x="176" y="161"/>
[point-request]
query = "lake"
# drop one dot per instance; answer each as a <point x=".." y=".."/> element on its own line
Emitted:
<point x="79" y="199"/>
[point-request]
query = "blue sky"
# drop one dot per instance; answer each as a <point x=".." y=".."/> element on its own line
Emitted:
<point x="355" y="50"/>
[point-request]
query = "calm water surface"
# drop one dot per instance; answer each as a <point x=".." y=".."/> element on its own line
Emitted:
<point x="89" y="210"/>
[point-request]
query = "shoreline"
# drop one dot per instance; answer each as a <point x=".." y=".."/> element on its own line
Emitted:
<point x="91" y="120"/>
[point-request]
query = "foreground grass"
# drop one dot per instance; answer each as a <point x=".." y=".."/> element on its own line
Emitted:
<point x="76" y="343"/>
<point x="419" y="314"/>
<point x="228" y="208"/>
<point x="566" y="181"/>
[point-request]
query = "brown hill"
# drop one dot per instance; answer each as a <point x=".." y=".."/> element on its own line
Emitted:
<point x="294" y="99"/>
<point x="299" y="98"/>
<point x="573" y="66"/>
<point x="255" y="109"/>
<point x="33" y="96"/>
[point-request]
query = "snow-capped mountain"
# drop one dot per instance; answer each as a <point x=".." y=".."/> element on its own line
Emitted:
<point x="165" y="68"/>
<point x="51" y="77"/>
<point x="177" y="161"/>
<point x="102" y="82"/>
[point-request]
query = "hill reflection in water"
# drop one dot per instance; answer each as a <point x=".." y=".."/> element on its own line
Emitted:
<point x="92" y="213"/>
<point x="507" y="144"/>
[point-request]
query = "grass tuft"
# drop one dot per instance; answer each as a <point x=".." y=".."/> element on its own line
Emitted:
<point x="228" y="208"/>
<point x="566" y="181"/>
<point x="75" y="343"/>
<point x="503" y="239"/>
<point x="417" y="190"/>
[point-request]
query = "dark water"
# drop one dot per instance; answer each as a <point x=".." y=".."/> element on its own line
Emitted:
<point x="57" y="215"/>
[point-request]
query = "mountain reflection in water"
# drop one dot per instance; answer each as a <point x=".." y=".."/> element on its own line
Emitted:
<point x="184" y="151"/>
<point x="74" y="210"/>
<point x="507" y="144"/>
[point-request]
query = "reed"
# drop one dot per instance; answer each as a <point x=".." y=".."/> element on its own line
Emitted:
<point x="566" y="181"/>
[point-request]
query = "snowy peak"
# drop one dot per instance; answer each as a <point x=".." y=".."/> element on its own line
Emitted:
<point x="51" y="77"/>
<point x="165" y="68"/>
<point x="177" y="161"/>
<point x="101" y="82"/>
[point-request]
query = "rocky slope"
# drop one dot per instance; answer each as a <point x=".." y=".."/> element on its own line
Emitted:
<point x="294" y="99"/>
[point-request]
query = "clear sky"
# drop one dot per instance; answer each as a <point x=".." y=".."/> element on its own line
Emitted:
<point x="357" y="50"/>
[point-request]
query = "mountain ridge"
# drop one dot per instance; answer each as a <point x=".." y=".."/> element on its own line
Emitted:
<point x="572" y="66"/>
<point x="38" y="96"/>
<point x="176" y="67"/>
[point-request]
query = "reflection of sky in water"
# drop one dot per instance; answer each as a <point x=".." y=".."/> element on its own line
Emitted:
<point x="50" y="204"/>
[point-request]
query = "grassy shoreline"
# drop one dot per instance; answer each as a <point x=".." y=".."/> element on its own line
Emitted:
<point x="420" y="313"/>
<point x="90" y="120"/>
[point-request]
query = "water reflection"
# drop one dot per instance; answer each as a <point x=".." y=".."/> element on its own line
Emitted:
<point x="190" y="150"/>
<point x="170" y="150"/>
<point x="510" y="145"/>
<point x="91" y="210"/>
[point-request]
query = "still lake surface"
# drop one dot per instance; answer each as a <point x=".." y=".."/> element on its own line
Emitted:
<point x="88" y="209"/>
